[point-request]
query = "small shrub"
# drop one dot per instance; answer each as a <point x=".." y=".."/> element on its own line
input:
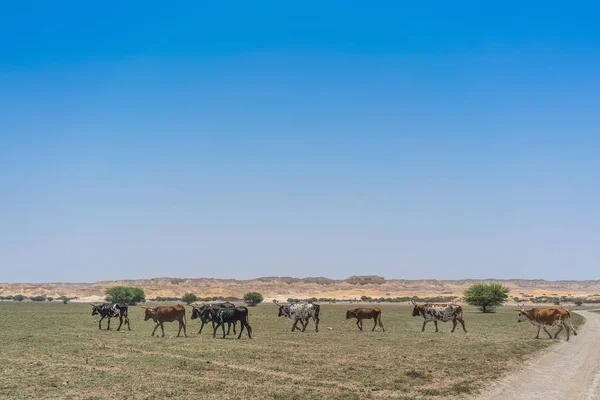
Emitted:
<point x="253" y="298"/>
<point x="189" y="298"/>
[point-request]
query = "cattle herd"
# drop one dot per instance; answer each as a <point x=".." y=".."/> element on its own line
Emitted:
<point x="219" y="314"/>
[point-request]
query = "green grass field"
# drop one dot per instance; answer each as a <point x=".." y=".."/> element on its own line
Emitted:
<point x="56" y="351"/>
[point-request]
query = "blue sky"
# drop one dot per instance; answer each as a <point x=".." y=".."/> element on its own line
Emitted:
<point x="256" y="139"/>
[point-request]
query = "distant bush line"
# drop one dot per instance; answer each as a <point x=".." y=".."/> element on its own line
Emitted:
<point x="557" y="300"/>
<point x="200" y="299"/>
<point x="369" y="299"/>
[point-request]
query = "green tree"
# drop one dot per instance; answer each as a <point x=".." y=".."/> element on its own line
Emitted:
<point x="253" y="298"/>
<point x="50" y="298"/>
<point x="19" y="297"/>
<point x="125" y="294"/>
<point x="189" y="298"/>
<point x="65" y="299"/>
<point x="486" y="296"/>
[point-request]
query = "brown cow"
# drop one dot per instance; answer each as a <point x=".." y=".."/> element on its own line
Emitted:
<point x="554" y="316"/>
<point x="366" y="313"/>
<point x="163" y="314"/>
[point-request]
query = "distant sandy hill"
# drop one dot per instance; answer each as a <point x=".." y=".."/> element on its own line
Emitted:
<point x="286" y="287"/>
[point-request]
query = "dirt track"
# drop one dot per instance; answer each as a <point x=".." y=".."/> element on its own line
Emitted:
<point x="570" y="370"/>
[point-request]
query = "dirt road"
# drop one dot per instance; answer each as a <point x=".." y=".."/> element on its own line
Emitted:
<point x="570" y="370"/>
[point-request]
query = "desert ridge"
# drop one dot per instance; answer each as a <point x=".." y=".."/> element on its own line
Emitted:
<point x="320" y="287"/>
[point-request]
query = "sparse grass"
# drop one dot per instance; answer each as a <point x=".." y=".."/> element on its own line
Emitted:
<point x="53" y="350"/>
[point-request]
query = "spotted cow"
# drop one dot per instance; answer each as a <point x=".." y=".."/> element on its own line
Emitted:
<point x="542" y="317"/>
<point x="300" y="312"/>
<point x="439" y="312"/>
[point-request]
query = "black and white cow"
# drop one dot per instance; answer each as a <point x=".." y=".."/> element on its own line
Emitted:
<point x="300" y="312"/>
<point x="108" y="310"/>
<point x="439" y="312"/>
<point x="198" y="312"/>
<point x="222" y="316"/>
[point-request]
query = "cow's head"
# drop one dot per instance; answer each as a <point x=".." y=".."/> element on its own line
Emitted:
<point x="523" y="315"/>
<point x="350" y="313"/>
<point x="284" y="310"/>
<point x="416" y="309"/>
<point x="96" y="308"/>
<point x="196" y="312"/>
<point x="150" y="313"/>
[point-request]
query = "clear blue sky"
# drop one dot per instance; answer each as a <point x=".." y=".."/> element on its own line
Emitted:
<point x="251" y="139"/>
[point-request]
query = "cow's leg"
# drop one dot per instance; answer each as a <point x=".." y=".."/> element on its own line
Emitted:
<point x="538" y="332"/>
<point x="435" y="323"/>
<point x="241" y="330"/>
<point x="381" y="323"/>
<point x="560" y="328"/>
<point x="453" y="325"/>
<point x="229" y="328"/>
<point x="215" y="327"/>
<point x="305" y="324"/>
<point x="120" y="322"/>
<point x="294" y="325"/>
<point x="234" y="324"/>
<point x="424" y="323"/>
<point x="162" y="328"/>
<point x="201" y="326"/>
<point x="156" y="327"/>
<point x="248" y="328"/>
<point x="108" y="327"/>
<point x="182" y="325"/>
<point x="100" y="323"/>
<point x="358" y="324"/>
<point x="127" y="322"/>
<point x="462" y="322"/>
<point x="223" y="329"/>
<point x="316" y="323"/>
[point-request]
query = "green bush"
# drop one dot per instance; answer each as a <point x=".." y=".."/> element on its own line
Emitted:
<point x="125" y="294"/>
<point x="486" y="296"/>
<point x="19" y="297"/>
<point x="189" y="298"/>
<point x="253" y="298"/>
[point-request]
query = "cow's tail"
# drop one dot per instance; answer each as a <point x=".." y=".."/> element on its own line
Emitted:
<point x="317" y="310"/>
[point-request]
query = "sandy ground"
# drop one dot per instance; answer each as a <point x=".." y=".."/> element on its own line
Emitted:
<point x="570" y="370"/>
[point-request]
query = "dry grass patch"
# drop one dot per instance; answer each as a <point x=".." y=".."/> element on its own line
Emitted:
<point x="56" y="351"/>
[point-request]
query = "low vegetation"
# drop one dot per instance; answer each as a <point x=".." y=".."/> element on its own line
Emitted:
<point x="253" y="298"/>
<point x="125" y="294"/>
<point x="189" y="298"/>
<point x="486" y="297"/>
<point x="51" y="350"/>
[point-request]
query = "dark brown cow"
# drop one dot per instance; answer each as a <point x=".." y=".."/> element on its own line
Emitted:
<point x="164" y="314"/>
<point x="366" y="313"/>
<point x="542" y="317"/>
